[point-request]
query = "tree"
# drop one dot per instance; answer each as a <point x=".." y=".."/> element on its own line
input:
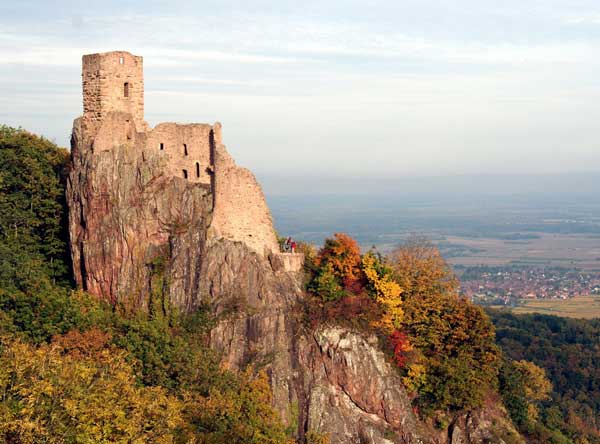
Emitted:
<point x="419" y="268"/>
<point x="523" y="385"/>
<point x="386" y="292"/>
<point x="236" y="412"/>
<point x="457" y="359"/>
<point x="52" y="395"/>
<point x="33" y="235"/>
<point x="342" y="254"/>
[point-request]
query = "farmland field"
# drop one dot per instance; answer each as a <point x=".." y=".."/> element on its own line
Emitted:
<point x="545" y="250"/>
<point x="582" y="307"/>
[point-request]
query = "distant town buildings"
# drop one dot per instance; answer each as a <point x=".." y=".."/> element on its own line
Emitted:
<point x="505" y="285"/>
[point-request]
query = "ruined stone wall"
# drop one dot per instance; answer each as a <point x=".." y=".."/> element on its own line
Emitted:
<point x="132" y="162"/>
<point x="240" y="210"/>
<point x="113" y="81"/>
<point x="187" y="149"/>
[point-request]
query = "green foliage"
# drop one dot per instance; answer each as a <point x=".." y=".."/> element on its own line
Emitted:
<point x="37" y="317"/>
<point x="445" y="345"/>
<point x="456" y="342"/>
<point x="76" y="370"/>
<point x="523" y="385"/>
<point x="33" y="236"/>
<point x="569" y="352"/>
<point x="326" y="284"/>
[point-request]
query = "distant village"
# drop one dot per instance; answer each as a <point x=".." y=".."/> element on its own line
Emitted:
<point x="506" y="285"/>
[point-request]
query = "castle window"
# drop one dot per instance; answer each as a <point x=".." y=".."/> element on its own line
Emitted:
<point x="162" y="146"/>
<point x="126" y="89"/>
<point x="197" y="169"/>
<point x="185" y="174"/>
<point x="121" y="60"/>
<point x="185" y="151"/>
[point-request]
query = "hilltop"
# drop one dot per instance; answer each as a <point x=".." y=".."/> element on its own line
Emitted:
<point x="170" y="314"/>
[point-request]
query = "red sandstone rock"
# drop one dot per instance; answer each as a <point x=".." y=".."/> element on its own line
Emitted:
<point x="166" y="213"/>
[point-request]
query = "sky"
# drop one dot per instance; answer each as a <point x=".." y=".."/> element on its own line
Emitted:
<point x="355" y="89"/>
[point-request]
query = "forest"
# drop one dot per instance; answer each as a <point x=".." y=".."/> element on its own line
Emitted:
<point x="569" y="351"/>
<point x="74" y="369"/>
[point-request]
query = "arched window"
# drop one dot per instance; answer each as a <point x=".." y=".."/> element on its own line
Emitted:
<point x="185" y="174"/>
<point x="126" y="89"/>
<point x="197" y="169"/>
<point x="162" y="146"/>
<point x="185" y="151"/>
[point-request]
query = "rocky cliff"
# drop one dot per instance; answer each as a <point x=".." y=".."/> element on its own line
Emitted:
<point x="141" y="237"/>
<point x="163" y="218"/>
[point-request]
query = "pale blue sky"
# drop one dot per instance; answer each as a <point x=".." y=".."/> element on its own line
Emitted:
<point x="367" y="88"/>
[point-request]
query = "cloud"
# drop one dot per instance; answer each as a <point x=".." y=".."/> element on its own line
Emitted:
<point x="463" y="83"/>
<point x="585" y="19"/>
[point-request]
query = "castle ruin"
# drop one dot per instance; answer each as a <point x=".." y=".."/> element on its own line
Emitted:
<point x="119" y="156"/>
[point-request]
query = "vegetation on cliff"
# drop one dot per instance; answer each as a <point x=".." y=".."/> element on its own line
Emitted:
<point x="443" y="344"/>
<point x="73" y="369"/>
<point x="33" y="232"/>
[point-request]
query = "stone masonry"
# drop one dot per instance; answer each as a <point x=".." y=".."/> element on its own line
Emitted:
<point x="138" y="193"/>
<point x="113" y="96"/>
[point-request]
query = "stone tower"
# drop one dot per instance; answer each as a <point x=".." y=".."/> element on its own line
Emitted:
<point x="113" y="81"/>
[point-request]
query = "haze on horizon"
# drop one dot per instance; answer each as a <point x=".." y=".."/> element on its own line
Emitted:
<point x="318" y="89"/>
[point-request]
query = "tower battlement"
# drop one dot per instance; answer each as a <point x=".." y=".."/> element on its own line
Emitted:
<point x="113" y="81"/>
<point x="187" y="156"/>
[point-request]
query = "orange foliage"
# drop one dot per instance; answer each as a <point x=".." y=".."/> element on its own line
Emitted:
<point x="420" y="269"/>
<point x="87" y="344"/>
<point x="342" y="253"/>
<point x="401" y="346"/>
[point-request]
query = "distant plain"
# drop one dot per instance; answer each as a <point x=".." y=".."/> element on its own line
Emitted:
<point x="472" y="224"/>
<point x="580" y="307"/>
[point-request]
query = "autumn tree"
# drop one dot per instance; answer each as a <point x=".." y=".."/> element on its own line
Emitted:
<point x="340" y="255"/>
<point x="235" y="410"/>
<point x="386" y="292"/>
<point x="523" y="386"/>
<point x="420" y="269"/>
<point x="458" y="360"/>
<point x="52" y="395"/>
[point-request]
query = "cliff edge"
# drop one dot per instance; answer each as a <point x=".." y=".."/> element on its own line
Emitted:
<point x="163" y="217"/>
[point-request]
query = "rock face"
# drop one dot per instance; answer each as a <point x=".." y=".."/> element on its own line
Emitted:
<point x="164" y="217"/>
<point x="352" y="392"/>
<point x="139" y="196"/>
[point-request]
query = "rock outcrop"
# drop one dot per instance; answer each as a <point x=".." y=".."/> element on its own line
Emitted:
<point x="145" y="236"/>
<point x="352" y="392"/>
<point x="139" y="195"/>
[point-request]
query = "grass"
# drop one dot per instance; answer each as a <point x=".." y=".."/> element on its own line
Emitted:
<point x="581" y="307"/>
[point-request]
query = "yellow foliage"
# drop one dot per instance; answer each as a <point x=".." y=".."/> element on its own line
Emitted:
<point x="420" y="269"/>
<point x="532" y="413"/>
<point x="387" y="294"/>
<point x="317" y="438"/>
<point x="53" y="397"/>
<point x="537" y="386"/>
<point x="415" y="377"/>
